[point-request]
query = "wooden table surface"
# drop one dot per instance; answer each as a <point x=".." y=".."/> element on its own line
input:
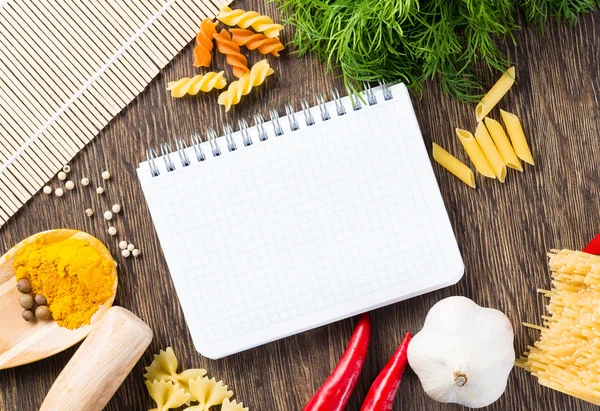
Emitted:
<point x="504" y="230"/>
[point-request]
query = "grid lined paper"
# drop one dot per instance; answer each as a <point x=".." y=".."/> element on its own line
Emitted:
<point x="279" y="232"/>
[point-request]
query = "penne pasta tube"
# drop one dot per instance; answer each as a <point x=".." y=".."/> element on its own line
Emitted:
<point x="491" y="152"/>
<point x="475" y="153"/>
<point x="489" y="101"/>
<point x="504" y="147"/>
<point x="453" y="165"/>
<point x="517" y="136"/>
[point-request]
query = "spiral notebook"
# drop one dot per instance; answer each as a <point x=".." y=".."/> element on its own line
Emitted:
<point x="301" y="220"/>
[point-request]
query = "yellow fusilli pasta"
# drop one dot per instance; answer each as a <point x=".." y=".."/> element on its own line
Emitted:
<point x="245" y="19"/>
<point x="244" y="85"/>
<point x="194" y="85"/>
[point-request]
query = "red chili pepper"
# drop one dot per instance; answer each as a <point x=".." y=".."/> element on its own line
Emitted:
<point x="594" y="246"/>
<point x="336" y="390"/>
<point x="382" y="393"/>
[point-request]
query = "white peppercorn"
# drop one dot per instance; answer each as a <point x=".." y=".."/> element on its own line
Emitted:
<point x="106" y="175"/>
<point x="108" y="215"/>
<point x="125" y="253"/>
<point x="100" y="190"/>
<point x="47" y="190"/>
<point x="130" y="247"/>
<point x="67" y="168"/>
<point x="136" y="253"/>
<point x="69" y="185"/>
<point x="62" y="175"/>
<point x="85" y="181"/>
<point x="89" y="212"/>
<point x="116" y="208"/>
<point x="123" y="245"/>
<point x="112" y="231"/>
<point x="59" y="192"/>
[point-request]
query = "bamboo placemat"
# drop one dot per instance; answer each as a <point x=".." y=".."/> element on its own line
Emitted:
<point x="67" y="67"/>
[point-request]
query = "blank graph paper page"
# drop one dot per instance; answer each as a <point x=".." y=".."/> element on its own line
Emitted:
<point x="304" y="228"/>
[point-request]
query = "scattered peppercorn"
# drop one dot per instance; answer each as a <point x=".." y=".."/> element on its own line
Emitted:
<point x="112" y="231"/>
<point x="47" y="190"/>
<point x="43" y="313"/>
<point x="24" y="285"/>
<point x="62" y="175"/>
<point x="89" y="212"/>
<point x="59" y="192"/>
<point x="106" y="175"/>
<point x="123" y="245"/>
<point x="26" y="301"/>
<point x="69" y="185"/>
<point x="108" y="215"/>
<point x="85" y="181"/>
<point x="28" y="315"/>
<point x="100" y="190"/>
<point x="136" y="253"/>
<point x="116" y="208"/>
<point x="40" y="299"/>
<point x="125" y="253"/>
<point x="130" y="247"/>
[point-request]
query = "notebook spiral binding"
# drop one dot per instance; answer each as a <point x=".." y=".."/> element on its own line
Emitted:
<point x="196" y="140"/>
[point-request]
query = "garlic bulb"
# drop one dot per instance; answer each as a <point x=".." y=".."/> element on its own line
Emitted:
<point x="464" y="353"/>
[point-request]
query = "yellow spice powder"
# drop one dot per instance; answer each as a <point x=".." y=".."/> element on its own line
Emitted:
<point x="74" y="277"/>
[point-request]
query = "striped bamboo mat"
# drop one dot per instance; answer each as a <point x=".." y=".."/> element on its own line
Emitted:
<point x="67" y="67"/>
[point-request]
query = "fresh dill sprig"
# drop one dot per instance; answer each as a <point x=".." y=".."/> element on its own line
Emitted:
<point x="412" y="41"/>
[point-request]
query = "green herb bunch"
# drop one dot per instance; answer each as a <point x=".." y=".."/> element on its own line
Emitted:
<point x="387" y="40"/>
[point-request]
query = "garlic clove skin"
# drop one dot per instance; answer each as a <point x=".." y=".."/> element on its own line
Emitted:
<point x="464" y="353"/>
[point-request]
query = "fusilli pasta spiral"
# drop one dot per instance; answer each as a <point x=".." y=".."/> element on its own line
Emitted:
<point x="244" y="85"/>
<point x="252" y="41"/>
<point x="206" y="82"/>
<point x="232" y="53"/>
<point x="245" y="19"/>
<point x="204" y="43"/>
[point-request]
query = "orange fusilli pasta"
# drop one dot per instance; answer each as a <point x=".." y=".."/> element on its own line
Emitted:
<point x="204" y="43"/>
<point x="232" y="53"/>
<point x="253" y="41"/>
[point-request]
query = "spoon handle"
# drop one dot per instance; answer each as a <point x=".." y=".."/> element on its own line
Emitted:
<point x="101" y="364"/>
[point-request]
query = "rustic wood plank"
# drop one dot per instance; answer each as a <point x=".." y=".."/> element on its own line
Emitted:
<point x="504" y="230"/>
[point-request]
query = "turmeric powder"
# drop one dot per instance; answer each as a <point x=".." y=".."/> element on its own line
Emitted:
<point x="74" y="277"/>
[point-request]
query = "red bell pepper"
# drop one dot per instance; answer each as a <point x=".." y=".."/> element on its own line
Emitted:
<point x="336" y="390"/>
<point x="382" y="393"/>
<point x="594" y="246"/>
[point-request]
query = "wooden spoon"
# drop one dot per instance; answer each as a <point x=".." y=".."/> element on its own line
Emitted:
<point x="22" y="342"/>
